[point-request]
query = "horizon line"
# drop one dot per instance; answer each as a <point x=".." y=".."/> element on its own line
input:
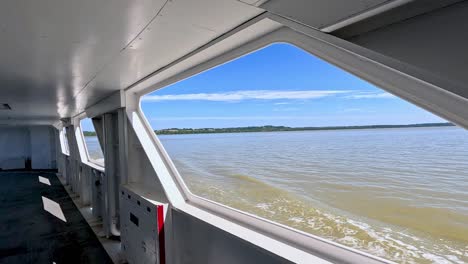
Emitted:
<point x="314" y="127"/>
<point x="335" y="126"/>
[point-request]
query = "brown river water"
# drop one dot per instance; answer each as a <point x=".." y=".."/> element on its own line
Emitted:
<point x="401" y="194"/>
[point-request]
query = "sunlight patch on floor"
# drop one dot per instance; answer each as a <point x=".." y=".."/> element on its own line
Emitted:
<point x="53" y="208"/>
<point x="44" y="180"/>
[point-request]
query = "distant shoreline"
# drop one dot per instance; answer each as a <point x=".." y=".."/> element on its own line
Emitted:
<point x="253" y="129"/>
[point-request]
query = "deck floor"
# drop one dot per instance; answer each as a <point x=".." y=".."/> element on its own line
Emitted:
<point x="30" y="234"/>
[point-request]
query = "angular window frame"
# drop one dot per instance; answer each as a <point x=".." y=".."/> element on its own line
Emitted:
<point x="282" y="231"/>
<point x="386" y="73"/>
<point x="89" y="160"/>
<point x="64" y="145"/>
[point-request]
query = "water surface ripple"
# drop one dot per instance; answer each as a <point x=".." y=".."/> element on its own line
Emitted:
<point x="401" y="194"/>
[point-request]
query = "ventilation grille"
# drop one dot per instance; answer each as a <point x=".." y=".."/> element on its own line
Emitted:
<point x="5" y="107"/>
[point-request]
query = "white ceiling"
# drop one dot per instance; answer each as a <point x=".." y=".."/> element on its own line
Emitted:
<point x="59" y="56"/>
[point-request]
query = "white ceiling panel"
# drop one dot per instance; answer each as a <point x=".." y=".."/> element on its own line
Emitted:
<point x="181" y="27"/>
<point x="58" y="57"/>
<point x="51" y="49"/>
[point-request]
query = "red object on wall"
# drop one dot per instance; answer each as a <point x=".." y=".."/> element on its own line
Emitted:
<point x="160" y="219"/>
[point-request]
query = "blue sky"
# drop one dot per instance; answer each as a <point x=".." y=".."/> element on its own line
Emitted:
<point x="87" y="124"/>
<point x="277" y="85"/>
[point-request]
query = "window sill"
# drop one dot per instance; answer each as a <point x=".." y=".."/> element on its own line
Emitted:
<point x="95" y="166"/>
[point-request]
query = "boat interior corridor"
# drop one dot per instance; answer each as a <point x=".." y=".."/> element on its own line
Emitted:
<point x="79" y="78"/>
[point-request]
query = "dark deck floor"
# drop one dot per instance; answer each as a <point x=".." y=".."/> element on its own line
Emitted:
<point x="29" y="234"/>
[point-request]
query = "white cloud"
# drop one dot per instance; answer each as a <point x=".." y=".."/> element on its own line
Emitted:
<point x="245" y="95"/>
<point x="367" y="95"/>
<point x="236" y="118"/>
<point x="357" y="110"/>
<point x="286" y="109"/>
<point x="351" y="110"/>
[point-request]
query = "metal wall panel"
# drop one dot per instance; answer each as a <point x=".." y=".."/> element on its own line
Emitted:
<point x="34" y="143"/>
<point x="434" y="42"/>
<point x="139" y="228"/>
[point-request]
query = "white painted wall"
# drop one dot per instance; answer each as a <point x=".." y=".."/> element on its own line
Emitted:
<point x="15" y="147"/>
<point x="18" y="144"/>
<point x="196" y="241"/>
<point x="42" y="147"/>
<point x="434" y="42"/>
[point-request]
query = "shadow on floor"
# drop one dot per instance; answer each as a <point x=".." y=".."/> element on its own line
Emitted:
<point x="30" y="234"/>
